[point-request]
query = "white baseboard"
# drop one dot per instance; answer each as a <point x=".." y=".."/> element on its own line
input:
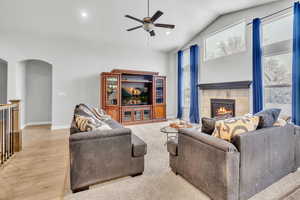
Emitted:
<point x="35" y="124"/>
<point x="171" y="117"/>
<point x="57" y="127"/>
<point x="23" y="126"/>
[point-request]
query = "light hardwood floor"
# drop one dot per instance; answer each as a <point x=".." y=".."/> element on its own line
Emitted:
<point x="39" y="171"/>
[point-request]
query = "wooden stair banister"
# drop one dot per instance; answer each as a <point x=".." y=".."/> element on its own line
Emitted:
<point x="16" y="125"/>
<point x="10" y="133"/>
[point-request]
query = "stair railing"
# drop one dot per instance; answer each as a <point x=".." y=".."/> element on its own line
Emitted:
<point x="10" y="133"/>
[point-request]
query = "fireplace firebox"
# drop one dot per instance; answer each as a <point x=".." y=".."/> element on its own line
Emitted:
<point x="222" y="108"/>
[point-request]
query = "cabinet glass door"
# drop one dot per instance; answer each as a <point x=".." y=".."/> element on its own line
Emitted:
<point x="147" y="114"/>
<point x="138" y="115"/>
<point x="112" y="90"/>
<point x="127" y="116"/>
<point x="159" y="91"/>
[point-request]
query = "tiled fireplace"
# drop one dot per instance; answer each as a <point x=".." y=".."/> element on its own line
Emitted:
<point x="223" y="100"/>
<point x="222" y="108"/>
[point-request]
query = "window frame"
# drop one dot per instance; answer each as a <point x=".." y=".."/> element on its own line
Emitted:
<point x="274" y="49"/>
<point x="282" y="47"/>
<point x="221" y="30"/>
<point x="186" y="70"/>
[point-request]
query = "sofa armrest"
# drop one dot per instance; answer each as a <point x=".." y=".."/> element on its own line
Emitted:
<point x="99" y="134"/>
<point x="99" y="155"/>
<point x="209" y="163"/>
<point x="209" y="140"/>
<point x="266" y="155"/>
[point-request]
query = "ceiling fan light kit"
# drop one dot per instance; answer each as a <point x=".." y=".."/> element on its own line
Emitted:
<point x="148" y="22"/>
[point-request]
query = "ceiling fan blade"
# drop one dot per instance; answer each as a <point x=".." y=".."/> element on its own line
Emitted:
<point x="165" y="26"/>
<point x="131" y="29"/>
<point x="136" y="19"/>
<point x="152" y="33"/>
<point x="157" y="15"/>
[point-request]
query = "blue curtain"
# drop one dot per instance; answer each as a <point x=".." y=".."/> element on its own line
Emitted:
<point x="180" y="85"/>
<point x="257" y="67"/>
<point x="194" y="62"/>
<point x="296" y="67"/>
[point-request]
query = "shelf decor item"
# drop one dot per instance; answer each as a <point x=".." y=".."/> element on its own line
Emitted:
<point x="132" y="97"/>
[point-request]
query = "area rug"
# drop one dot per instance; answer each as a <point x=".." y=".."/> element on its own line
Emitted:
<point x="159" y="183"/>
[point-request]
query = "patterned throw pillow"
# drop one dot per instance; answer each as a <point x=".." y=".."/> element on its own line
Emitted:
<point x="228" y="128"/>
<point x="100" y="114"/>
<point x="86" y="124"/>
<point x="89" y="119"/>
<point x="280" y="123"/>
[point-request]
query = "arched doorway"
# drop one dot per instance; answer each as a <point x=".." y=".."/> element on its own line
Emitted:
<point x="35" y="89"/>
<point x="3" y="82"/>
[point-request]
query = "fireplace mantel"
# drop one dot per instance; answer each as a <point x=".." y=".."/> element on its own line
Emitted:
<point x="225" y="85"/>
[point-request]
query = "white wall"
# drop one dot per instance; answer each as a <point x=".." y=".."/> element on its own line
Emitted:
<point x="76" y="67"/>
<point x="237" y="67"/>
<point x="20" y="77"/>
<point x="3" y="82"/>
<point x="38" y="92"/>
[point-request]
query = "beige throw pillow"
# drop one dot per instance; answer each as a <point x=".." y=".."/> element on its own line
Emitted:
<point x="228" y="128"/>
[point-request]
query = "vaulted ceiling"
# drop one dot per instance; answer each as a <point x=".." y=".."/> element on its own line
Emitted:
<point x="105" y="21"/>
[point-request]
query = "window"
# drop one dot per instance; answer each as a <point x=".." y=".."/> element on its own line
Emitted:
<point x="226" y="42"/>
<point x="277" y="62"/>
<point x="187" y="88"/>
<point x="282" y="28"/>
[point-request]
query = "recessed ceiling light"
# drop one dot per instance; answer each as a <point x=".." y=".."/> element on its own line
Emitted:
<point x="83" y="14"/>
<point x="168" y="32"/>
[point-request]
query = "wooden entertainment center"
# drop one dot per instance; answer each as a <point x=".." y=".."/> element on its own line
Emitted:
<point x="132" y="97"/>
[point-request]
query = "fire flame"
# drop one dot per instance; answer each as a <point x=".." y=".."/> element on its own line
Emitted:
<point x="223" y="111"/>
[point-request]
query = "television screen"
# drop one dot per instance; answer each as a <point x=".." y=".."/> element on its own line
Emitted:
<point x="136" y="94"/>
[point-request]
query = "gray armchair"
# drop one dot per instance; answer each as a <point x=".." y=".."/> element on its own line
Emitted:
<point x="226" y="171"/>
<point x="99" y="156"/>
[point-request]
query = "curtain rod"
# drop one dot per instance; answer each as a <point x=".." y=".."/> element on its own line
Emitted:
<point x="275" y="13"/>
<point x="270" y="15"/>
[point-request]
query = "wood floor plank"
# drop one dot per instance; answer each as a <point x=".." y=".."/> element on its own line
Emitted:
<point x="39" y="171"/>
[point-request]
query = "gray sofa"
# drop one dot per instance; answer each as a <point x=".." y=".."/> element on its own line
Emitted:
<point x="238" y="170"/>
<point x="99" y="156"/>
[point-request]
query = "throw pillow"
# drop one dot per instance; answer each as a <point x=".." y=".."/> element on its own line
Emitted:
<point x="86" y="124"/>
<point x="89" y="119"/>
<point x="268" y="117"/>
<point x="100" y="114"/>
<point x="228" y="128"/>
<point x="280" y="123"/>
<point x="208" y="125"/>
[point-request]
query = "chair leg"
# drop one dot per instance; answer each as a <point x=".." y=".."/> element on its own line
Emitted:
<point x="80" y="189"/>
<point x="138" y="174"/>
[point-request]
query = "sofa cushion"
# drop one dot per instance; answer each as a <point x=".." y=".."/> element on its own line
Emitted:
<point x="113" y="124"/>
<point x="208" y="125"/>
<point x="228" y="128"/>
<point x="267" y="117"/>
<point x="139" y="147"/>
<point x="172" y="147"/>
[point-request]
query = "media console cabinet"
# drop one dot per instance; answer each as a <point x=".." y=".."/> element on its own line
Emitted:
<point x="133" y="97"/>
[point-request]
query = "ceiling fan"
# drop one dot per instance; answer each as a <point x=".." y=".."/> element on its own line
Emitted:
<point x="148" y="23"/>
